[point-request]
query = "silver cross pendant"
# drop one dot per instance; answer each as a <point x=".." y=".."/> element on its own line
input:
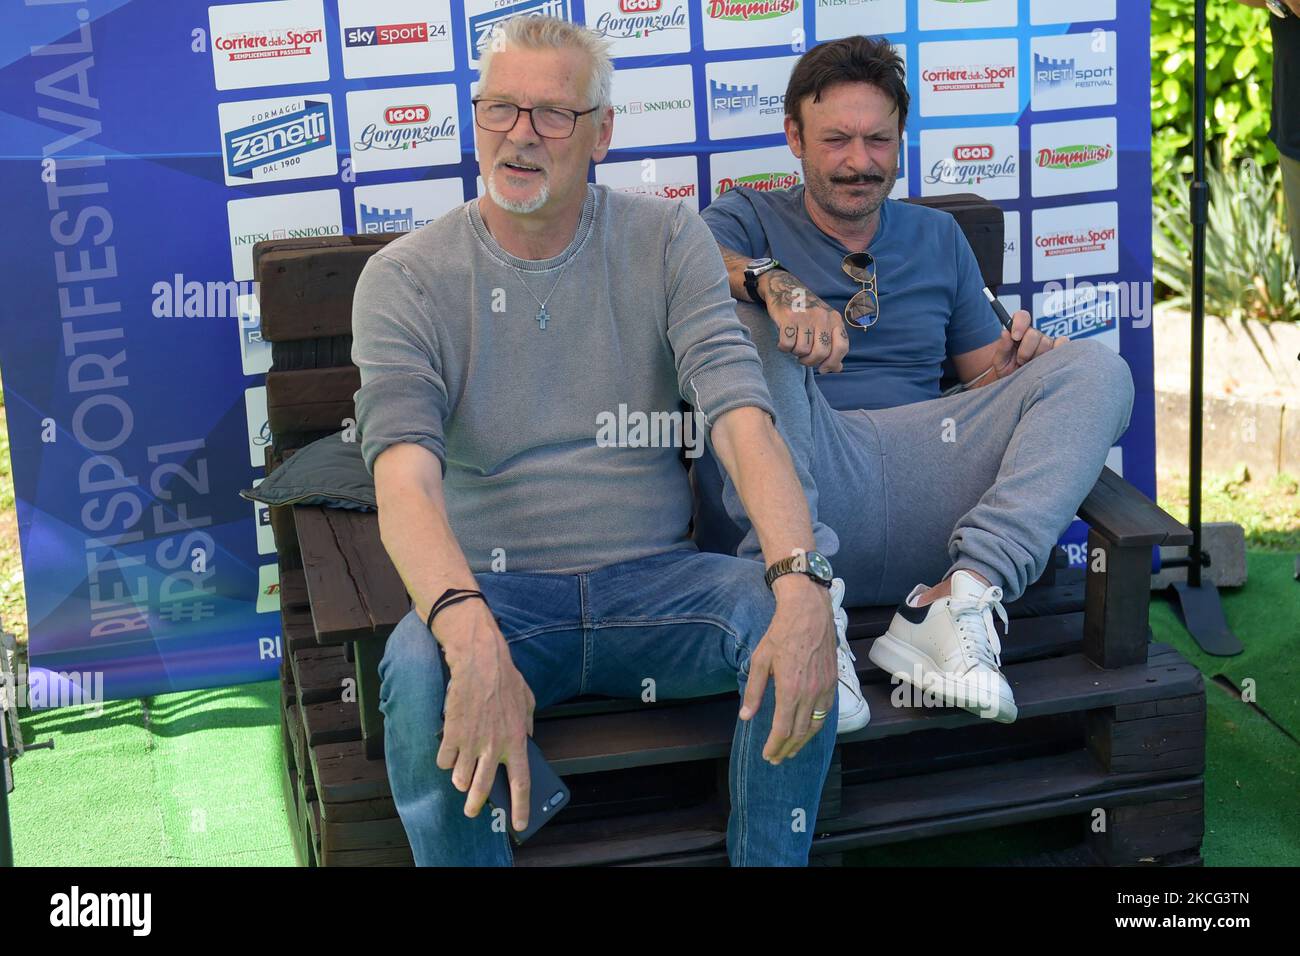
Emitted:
<point x="542" y="317"/>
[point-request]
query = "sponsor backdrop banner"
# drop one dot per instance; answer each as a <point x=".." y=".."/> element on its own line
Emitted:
<point x="149" y="145"/>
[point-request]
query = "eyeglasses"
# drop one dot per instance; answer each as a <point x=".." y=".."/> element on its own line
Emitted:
<point x="549" y="122"/>
<point x="861" y="268"/>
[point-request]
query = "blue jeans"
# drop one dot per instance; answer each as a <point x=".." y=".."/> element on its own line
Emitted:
<point x="685" y="619"/>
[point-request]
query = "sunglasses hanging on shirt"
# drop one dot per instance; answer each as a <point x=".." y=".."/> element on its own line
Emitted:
<point x="863" y="310"/>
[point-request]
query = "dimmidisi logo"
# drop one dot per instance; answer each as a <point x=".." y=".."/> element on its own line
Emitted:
<point x="1073" y="157"/>
<point x="760" y="182"/>
<point x="750" y="9"/>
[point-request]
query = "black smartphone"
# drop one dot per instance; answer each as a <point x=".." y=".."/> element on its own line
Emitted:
<point x="547" y="794"/>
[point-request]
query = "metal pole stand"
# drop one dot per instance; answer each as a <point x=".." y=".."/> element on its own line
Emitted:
<point x="1197" y="602"/>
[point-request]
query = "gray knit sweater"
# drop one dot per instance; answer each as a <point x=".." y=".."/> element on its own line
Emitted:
<point x="453" y="358"/>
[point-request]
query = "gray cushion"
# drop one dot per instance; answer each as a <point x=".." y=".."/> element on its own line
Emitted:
<point x="329" y="472"/>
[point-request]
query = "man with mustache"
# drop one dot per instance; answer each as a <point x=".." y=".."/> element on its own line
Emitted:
<point x="491" y="342"/>
<point x="968" y="492"/>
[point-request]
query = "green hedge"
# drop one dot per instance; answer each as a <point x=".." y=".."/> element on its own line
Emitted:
<point x="1239" y="68"/>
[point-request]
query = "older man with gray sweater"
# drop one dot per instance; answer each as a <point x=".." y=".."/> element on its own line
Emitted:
<point x="542" y="562"/>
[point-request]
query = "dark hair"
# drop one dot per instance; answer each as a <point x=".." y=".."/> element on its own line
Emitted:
<point x="855" y="59"/>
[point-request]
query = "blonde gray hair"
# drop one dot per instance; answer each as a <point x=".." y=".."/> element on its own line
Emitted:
<point x="552" y="33"/>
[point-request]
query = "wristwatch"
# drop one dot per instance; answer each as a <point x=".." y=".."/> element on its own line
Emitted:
<point x="811" y="563"/>
<point x="753" y="270"/>
<point x="1277" y="8"/>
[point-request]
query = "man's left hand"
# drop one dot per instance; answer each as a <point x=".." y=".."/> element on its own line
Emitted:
<point x="798" y="655"/>
<point x="1021" y="345"/>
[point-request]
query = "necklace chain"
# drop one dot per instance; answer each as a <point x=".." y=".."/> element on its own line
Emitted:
<point x="542" y="314"/>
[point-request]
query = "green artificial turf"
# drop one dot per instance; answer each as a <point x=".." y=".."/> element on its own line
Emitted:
<point x="187" y="779"/>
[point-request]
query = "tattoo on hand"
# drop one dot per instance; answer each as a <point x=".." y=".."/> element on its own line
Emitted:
<point x="790" y="331"/>
<point x="824" y="338"/>
<point x="784" y="289"/>
<point x="807" y="334"/>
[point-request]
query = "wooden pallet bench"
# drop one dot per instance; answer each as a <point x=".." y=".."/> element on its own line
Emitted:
<point x="1111" y="729"/>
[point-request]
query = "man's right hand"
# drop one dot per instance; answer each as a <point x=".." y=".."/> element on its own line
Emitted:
<point x="806" y="326"/>
<point x="488" y="711"/>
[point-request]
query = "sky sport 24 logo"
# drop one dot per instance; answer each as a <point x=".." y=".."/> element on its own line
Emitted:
<point x="395" y="33"/>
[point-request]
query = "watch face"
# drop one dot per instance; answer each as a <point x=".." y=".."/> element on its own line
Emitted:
<point x="759" y="263"/>
<point x="819" y="566"/>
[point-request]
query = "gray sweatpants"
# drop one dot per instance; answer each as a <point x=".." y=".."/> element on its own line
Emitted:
<point x="986" y="480"/>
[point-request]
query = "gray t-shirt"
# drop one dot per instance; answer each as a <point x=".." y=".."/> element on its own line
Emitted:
<point x="452" y="358"/>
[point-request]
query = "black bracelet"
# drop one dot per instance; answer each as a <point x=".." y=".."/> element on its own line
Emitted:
<point x="453" y="596"/>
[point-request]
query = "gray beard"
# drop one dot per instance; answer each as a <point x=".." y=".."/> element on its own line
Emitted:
<point x="509" y="205"/>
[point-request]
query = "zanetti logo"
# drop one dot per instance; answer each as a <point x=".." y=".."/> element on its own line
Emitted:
<point x="280" y="138"/>
<point x="1073" y="157"/>
<point x="759" y="182"/>
<point x="750" y="10"/>
<point x="1085" y="315"/>
<point x="481" y="25"/>
<point x="391" y="33"/>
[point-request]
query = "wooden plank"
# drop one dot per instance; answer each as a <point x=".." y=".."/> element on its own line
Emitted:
<point x="311" y="400"/>
<point x="703" y="730"/>
<point x="305" y="287"/>
<point x="1168" y="740"/>
<point x="1191" y="704"/>
<point x="320" y="673"/>
<point x="1118" y="596"/>
<point x="331" y="722"/>
<point x="380" y="808"/>
<point x="874" y="814"/>
<point x="286" y="539"/>
<point x="368" y="835"/>
<point x="355" y="591"/>
<point x="296" y="631"/>
<point x="1145" y="833"/>
<point x="1127" y="518"/>
<point x="367" y="655"/>
<point x="293" y="590"/>
<point x="343" y="774"/>
<point x="384" y="856"/>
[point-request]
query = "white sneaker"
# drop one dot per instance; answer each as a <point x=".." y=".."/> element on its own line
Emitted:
<point x="854" y="712"/>
<point x="950" y="649"/>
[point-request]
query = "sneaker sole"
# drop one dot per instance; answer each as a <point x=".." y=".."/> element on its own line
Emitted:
<point x="901" y="660"/>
